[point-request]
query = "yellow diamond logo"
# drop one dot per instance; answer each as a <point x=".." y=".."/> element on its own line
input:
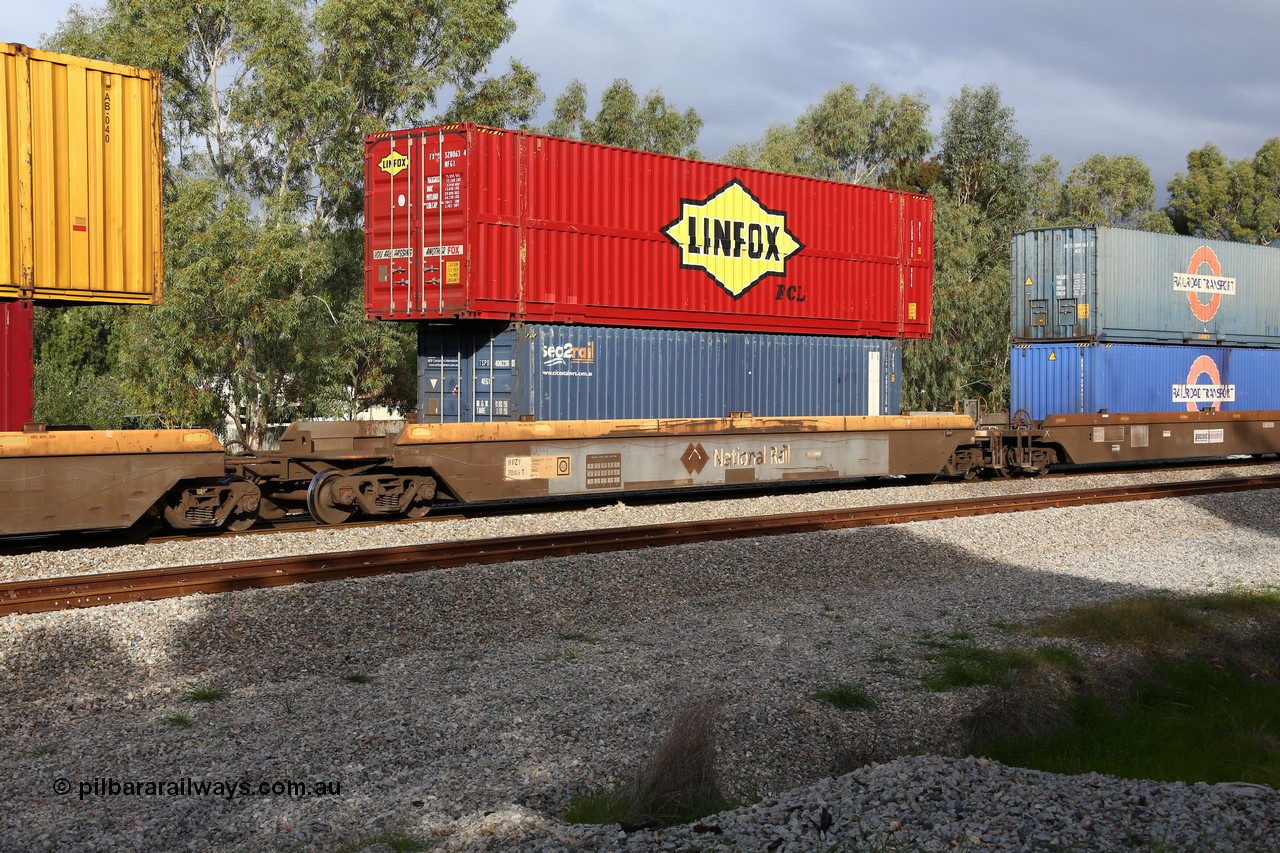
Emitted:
<point x="733" y="238"/>
<point x="394" y="163"/>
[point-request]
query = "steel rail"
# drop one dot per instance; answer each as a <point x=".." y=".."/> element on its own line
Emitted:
<point x="62" y="593"/>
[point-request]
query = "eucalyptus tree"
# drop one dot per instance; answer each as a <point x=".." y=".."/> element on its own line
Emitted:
<point x="651" y="123"/>
<point x="1226" y="200"/>
<point x="1044" y="208"/>
<point x="873" y="138"/>
<point x="266" y="106"/>
<point x="983" y="194"/>
<point x="1112" y="191"/>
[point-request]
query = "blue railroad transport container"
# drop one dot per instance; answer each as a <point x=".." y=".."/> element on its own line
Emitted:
<point x="1065" y="379"/>
<point x="475" y="371"/>
<point x="1114" y="285"/>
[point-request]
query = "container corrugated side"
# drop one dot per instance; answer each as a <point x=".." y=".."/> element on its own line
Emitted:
<point x="81" y="157"/>
<point x="1063" y="378"/>
<point x="1115" y="285"/>
<point x="465" y="222"/>
<point x="483" y="371"/>
<point x="17" y="400"/>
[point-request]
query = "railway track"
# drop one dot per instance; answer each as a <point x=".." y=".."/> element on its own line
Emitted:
<point x="152" y="584"/>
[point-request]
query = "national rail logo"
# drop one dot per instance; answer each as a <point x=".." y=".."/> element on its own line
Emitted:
<point x="1194" y="282"/>
<point x="732" y="237"/>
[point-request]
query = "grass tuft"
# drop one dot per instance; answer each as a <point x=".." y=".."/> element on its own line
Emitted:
<point x="966" y="664"/>
<point x="1186" y="721"/>
<point x="677" y="785"/>
<point x="357" y="678"/>
<point x="846" y="698"/>
<point x="1193" y="694"/>
<point x="204" y="694"/>
<point x="182" y="721"/>
<point x="1143" y="623"/>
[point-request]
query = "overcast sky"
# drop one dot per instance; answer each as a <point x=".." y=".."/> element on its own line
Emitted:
<point x="1152" y="78"/>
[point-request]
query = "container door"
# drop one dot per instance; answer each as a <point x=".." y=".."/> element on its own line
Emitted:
<point x="440" y="361"/>
<point x="391" y="211"/>
<point x="1054" y="284"/>
<point x="441" y="287"/>
<point x="1075" y="279"/>
<point x="414" y="224"/>
<point x="1045" y="379"/>
<point x="494" y="380"/>
<point x="1066" y="325"/>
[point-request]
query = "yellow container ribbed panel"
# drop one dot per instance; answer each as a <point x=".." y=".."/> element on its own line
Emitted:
<point x="81" y="158"/>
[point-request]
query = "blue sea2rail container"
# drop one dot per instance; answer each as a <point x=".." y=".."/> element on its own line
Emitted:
<point x="493" y="372"/>
<point x="1066" y="379"/>
<point x="1114" y="285"/>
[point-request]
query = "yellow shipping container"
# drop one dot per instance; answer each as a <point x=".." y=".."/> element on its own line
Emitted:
<point x="80" y="158"/>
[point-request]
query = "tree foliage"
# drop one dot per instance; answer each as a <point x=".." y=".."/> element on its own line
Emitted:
<point x="874" y="139"/>
<point x="1226" y="200"/>
<point x="1113" y="191"/>
<point x="73" y="381"/>
<point x="983" y="194"/>
<point x="1117" y="192"/>
<point x="267" y="103"/>
<point x="624" y="119"/>
<point x="1044" y="207"/>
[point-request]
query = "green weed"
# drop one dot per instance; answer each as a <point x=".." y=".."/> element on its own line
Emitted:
<point x="845" y="698"/>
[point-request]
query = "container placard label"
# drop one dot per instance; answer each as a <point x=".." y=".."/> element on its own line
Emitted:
<point x="732" y="237"/>
<point x="537" y="467"/>
<point x="1209" y="436"/>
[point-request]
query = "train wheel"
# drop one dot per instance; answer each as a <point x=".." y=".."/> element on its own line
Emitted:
<point x="417" y="510"/>
<point x="322" y="500"/>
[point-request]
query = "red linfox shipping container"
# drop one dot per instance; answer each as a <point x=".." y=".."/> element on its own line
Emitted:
<point x="463" y="221"/>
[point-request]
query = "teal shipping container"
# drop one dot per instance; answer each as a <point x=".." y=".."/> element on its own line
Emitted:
<point x="1114" y="285"/>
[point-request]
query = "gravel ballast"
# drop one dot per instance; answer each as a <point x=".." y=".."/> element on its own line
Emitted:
<point x="465" y="708"/>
